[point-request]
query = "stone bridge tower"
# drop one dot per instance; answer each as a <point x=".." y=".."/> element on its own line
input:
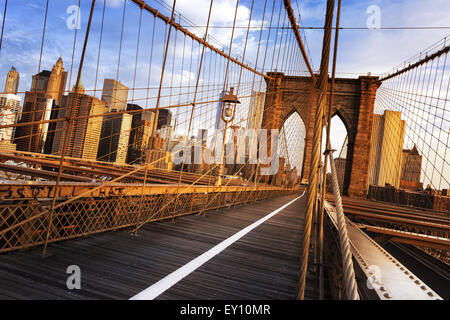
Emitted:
<point x="353" y="102"/>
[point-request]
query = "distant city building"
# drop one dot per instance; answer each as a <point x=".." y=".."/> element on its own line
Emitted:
<point x="202" y="135"/>
<point x="280" y="176"/>
<point x="411" y="169"/>
<point x="340" y="164"/>
<point x="81" y="89"/>
<point x="343" y="153"/>
<point x="174" y="142"/>
<point x="57" y="82"/>
<point x="141" y="129"/>
<point x="220" y="124"/>
<point x="84" y="135"/>
<point x="200" y="147"/>
<point x="27" y="137"/>
<point x="46" y="138"/>
<point x="115" y="136"/>
<point x="171" y="145"/>
<point x="12" y="103"/>
<point x="7" y="117"/>
<point x="386" y="152"/>
<point x="40" y="81"/>
<point x="167" y="133"/>
<point x="12" y="81"/>
<point x="164" y="118"/>
<point x="115" y="94"/>
<point x="49" y="129"/>
<point x="255" y="110"/>
<point x="52" y="83"/>
<point x="45" y="95"/>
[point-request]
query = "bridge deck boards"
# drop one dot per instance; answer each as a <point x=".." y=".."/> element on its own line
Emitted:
<point x="264" y="264"/>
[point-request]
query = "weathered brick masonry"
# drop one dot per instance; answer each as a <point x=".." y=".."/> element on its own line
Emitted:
<point x="353" y="102"/>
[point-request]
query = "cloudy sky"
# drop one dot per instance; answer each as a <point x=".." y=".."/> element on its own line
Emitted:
<point x="360" y="50"/>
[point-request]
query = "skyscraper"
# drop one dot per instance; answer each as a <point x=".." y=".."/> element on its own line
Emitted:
<point x="202" y="135"/>
<point x="411" y="169"/>
<point x="40" y="81"/>
<point x="385" y="159"/>
<point x="84" y="135"/>
<point x="255" y="110"/>
<point x="52" y="83"/>
<point x="114" y="138"/>
<point x="141" y="128"/>
<point x="49" y="129"/>
<point x="7" y="117"/>
<point x="115" y="94"/>
<point x="164" y="118"/>
<point x="220" y="125"/>
<point x="56" y="82"/>
<point x="12" y="81"/>
<point x="12" y="103"/>
<point x="340" y="164"/>
<point x="27" y="137"/>
<point x="45" y="95"/>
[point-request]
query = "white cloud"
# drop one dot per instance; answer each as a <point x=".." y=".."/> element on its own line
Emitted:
<point x="376" y="51"/>
<point x="222" y="15"/>
<point x="114" y="3"/>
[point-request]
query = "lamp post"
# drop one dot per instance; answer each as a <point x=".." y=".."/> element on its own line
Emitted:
<point x="227" y="114"/>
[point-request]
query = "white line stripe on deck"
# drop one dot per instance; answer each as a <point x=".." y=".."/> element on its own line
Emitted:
<point x="165" y="283"/>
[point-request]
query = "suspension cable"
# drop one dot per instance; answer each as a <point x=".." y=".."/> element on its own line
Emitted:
<point x="312" y="181"/>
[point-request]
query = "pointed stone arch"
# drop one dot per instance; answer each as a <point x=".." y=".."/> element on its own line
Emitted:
<point x="336" y="119"/>
<point x="353" y="102"/>
<point x="302" y="128"/>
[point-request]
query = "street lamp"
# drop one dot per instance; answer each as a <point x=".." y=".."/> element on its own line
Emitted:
<point x="227" y="114"/>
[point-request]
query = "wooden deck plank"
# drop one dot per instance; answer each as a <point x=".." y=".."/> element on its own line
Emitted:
<point x="117" y="265"/>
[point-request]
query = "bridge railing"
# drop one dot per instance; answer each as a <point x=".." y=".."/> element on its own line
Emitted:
<point x="24" y="224"/>
<point x="164" y="74"/>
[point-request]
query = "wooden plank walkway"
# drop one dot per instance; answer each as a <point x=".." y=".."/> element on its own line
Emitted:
<point x="264" y="264"/>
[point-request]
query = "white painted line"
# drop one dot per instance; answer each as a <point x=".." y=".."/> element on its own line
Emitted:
<point x="165" y="283"/>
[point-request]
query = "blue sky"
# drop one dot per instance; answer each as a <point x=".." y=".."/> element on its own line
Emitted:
<point x="360" y="51"/>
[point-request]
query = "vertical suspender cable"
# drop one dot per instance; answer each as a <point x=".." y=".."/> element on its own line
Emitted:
<point x="312" y="183"/>
<point x="328" y="146"/>
<point x="66" y="133"/>
<point x="155" y="120"/>
<point x="351" y="288"/>
<point x="3" y="24"/>
<point x="37" y="82"/>
<point x="196" y="84"/>
<point x="195" y="96"/>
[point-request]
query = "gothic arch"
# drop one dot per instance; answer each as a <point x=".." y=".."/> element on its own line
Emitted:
<point x="289" y="124"/>
<point x="353" y="102"/>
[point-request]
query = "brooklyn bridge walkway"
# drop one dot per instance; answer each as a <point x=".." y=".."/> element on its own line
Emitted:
<point x="252" y="252"/>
